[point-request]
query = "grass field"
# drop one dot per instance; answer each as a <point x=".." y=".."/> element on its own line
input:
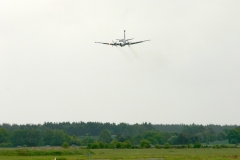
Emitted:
<point x="152" y="154"/>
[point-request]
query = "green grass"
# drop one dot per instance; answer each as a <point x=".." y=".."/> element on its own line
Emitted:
<point x="167" y="154"/>
<point x="41" y="151"/>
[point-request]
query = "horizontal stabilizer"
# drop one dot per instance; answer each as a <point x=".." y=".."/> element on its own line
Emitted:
<point x="129" y="39"/>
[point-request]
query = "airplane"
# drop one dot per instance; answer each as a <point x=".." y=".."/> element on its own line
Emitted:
<point x="122" y="42"/>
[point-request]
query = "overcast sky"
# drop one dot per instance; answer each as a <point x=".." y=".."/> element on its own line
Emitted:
<point x="52" y="71"/>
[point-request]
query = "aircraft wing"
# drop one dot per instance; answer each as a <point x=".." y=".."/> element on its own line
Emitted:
<point x="113" y="44"/>
<point x="131" y="43"/>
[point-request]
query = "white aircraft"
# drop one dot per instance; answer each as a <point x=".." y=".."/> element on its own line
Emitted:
<point x="122" y="42"/>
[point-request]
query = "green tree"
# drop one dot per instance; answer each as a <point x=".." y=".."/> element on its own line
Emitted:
<point x="118" y="145"/>
<point x="166" y="136"/>
<point x="101" y="144"/>
<point x="197" y="145"/>
<point x="4" y="136"/>
<point x="145" y="143"/>
<point x="222" y="136"/>
<point x="18" y="138"/>
<point x="183" y="139"/>
<point x="126" y="144"/>
<point x="153" y="137"/>
<point x="55" y="137"/>
<point x="113" y="143"/>
<point x="95" y="145"/>
<point x="105" y="136"/>
<point x="74" y="140"/>
<point x="200" y="137"/>
<point x="28" y="137"/>
<point x="65" y="145"/>
<point x="234" y="135"/>
<point x="167" y="145"/>
<point x="59" y="137"/>
<point x="173" y="140"/>
<point x="87" y="140"/>
<point x="193" y="129"/>
<point x="33" y="137"/>
<point x="158" y="138"/>
<point x="48" y="137"/>
<point x="135" y="140"/>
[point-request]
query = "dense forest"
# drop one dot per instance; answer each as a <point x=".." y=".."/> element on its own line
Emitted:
<point x="123" y="135"/>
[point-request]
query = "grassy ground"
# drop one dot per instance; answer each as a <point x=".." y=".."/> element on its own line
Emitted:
<point x="152" y="154"/>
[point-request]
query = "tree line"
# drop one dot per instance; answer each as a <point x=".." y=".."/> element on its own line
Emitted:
<point x="107" y="135"/>
<point x="94" y="128"/>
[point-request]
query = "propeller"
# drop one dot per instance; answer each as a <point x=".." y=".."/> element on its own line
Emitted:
<point x="114" y="43"/>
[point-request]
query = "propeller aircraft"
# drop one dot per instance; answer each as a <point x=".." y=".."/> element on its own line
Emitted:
<point x="122" y="42"/>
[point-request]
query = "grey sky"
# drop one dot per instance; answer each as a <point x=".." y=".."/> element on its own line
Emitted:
<point x="51" y="69"/>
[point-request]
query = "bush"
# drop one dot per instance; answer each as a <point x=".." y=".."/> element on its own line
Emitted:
<point x="95" y="145"/>
<point x="106" y="145"/>
<point x="145" y="144"/>
<point x="197" y="145"/>
<point x="65" y="145"/>
<point x="217" y="146"/>
<point x="126" y="144"/>
<point x="101" y="144"/>
<point x="134" y="147"/>
<point x="119" y="145"/>
<point x="167" y="146"/>
<point x="158" y="146"/>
